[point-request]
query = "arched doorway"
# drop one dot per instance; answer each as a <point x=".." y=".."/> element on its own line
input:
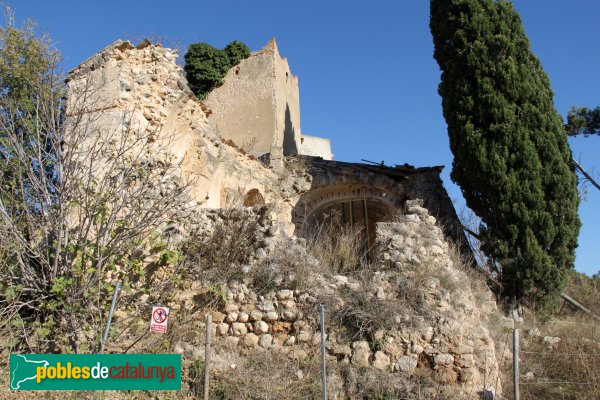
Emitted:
<point x="358" y="206"/>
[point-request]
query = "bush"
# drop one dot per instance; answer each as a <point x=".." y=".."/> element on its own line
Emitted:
<point x="219" y="257"/>
<point x="205" y="66"/>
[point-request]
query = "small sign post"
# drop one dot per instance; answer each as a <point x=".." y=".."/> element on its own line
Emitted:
<point x="159" y="319"/>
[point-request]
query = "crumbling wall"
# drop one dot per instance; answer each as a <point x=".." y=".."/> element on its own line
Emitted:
<point x="244" y="107"/>
<point x="287" y="106"/>
<point x="436" y="315"/>
<point x="141" y="90"/>
<point x="258" y="106"/>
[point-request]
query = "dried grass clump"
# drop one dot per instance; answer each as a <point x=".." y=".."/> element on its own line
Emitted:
<point x="218" y="257"/>
<point x="340" y="248"/>
<point x="363" y="314"/>
<point x="586" y="290"/>
<point x="269" y="376"/>
<point x="566" y="370"/>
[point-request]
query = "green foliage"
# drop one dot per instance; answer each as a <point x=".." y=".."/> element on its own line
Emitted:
<point x="26" y="64"/>
<point x="205" y="66"/>
<point x="28" y="84"/>
<point x="511" y="156"/>
<point x="582" y="120"/>
<point x="67" y="232"/>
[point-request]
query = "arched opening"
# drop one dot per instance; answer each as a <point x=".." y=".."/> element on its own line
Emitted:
<point x="253" y="198"/>
<point x="360" y="214"/>
<point x="359" y="207"/>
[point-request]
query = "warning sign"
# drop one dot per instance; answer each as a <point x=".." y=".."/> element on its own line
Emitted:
<point x="158" y="322"/>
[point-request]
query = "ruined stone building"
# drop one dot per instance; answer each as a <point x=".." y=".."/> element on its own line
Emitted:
<point x="244" y="147"/>
<point x="236" y="143"/>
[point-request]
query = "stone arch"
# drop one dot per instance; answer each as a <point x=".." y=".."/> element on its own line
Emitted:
<point x="254" y="198"/>
<point x="361" y="200"/>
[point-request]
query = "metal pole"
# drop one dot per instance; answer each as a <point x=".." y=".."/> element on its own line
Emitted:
<point x="207" y="354"/>
<point x="324" y="371"/>
<point x="485" y="375"/>
<point x="110" y="314"/>
<point x="516" y="362"/>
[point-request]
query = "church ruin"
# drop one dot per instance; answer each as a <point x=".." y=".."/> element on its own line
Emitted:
<point x="235" y="143"/>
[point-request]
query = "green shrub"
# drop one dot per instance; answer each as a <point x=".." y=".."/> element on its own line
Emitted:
<point x="205" y="66"/>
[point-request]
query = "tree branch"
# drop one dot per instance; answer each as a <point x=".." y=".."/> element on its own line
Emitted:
<point x="586" y="174"/>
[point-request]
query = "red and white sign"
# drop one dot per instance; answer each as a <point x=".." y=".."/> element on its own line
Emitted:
<point x="159" y="319"/>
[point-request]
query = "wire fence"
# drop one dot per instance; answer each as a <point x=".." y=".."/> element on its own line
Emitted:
<point x="559" y="363"/>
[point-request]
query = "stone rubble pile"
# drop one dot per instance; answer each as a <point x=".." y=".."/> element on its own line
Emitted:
<point x="445" y="333"/>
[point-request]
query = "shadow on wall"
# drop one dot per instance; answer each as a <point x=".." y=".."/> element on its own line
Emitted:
<point x="289" y="143"/>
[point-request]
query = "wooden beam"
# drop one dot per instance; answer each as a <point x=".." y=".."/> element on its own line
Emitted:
<point x="573" y="302"/>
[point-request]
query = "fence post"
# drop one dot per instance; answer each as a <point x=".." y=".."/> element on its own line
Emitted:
<point x="110" y="314"/>
<point x="485" y="374"/>
<point x="515" y="355"/>
<point x="207" y="354"/>
<point x="324" y="371"/>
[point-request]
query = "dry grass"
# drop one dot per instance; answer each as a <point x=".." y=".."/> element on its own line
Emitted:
<point x="263" y="375"/>
<point x="363" y="314"/>
<point x="217" y="258"/>
<point x="567" y="370"/>
<point x="338" y="247"/>
<point x="585" y="290"/>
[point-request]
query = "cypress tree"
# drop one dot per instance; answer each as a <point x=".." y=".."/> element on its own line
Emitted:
<point x="511" y="156"/>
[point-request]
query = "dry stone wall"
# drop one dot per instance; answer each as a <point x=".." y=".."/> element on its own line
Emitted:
<point x="435" y="319"/>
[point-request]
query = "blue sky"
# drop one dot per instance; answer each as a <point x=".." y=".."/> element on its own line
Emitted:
<point x="368" y="79"/>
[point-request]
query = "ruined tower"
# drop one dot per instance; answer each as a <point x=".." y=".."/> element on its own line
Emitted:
<point x="258" y="107"/>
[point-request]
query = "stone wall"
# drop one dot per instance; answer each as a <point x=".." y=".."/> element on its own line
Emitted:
<point x="258" y="106"/>
<point x="442" y="330"/>
<point x="244" y="107"/>
<point x="316" y="146"/>
<point x="141" y="90"/>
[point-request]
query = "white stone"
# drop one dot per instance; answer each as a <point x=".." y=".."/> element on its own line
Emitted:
<point x="416" y="349"/>
<point x="551" y="340"/>
<point x="285" y="294"/>
<point x="230" y="307"/>
<point x="362" y="344"/>
<point x="222" y="329"/>
<point x="266" y="306"/>
<point x="381" y="361"/>
<point x="305" y="335"/>
<point x="232" y="317"/>
<point x="250" y="340"/>
<point x="239" y="328"/>
<point x="256" y="315"/>
<point x="265" y="341"/>
<point x="271" y="316"/>
<point x="361" y="357"/>
<point x="427" y="333"/>
<point x="443" y="359"/>
<point x="289" y="315"/>
<point x="290" y="341"/>
<point x="261" y="327"/>
<point x="243" y="317"/>
<point x="406" y="364"/>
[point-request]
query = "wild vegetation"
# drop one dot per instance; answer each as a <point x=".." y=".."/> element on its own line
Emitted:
<point x="206" y="66"/>
<point x="78" y="212"/>
<point x="583" y="121"/>
<point x="560" y="352"/>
